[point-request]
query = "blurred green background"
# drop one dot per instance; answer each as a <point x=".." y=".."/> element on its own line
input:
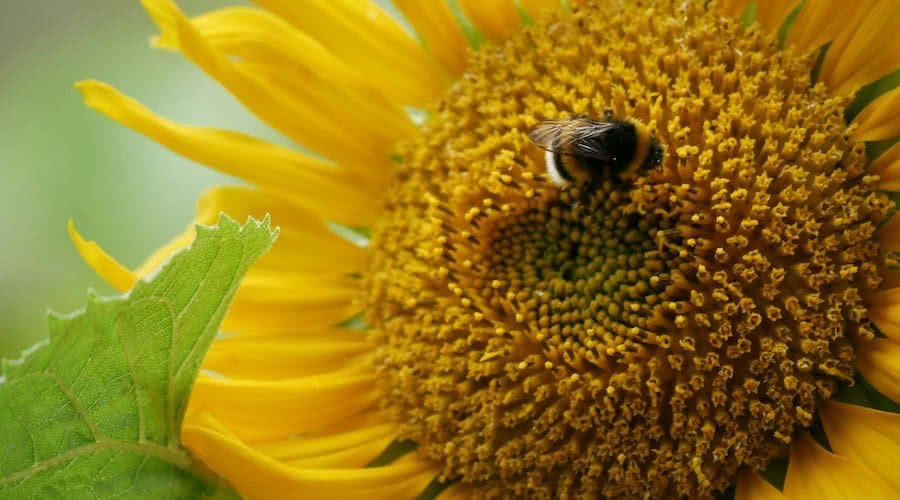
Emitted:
<point x="59" y="159"/>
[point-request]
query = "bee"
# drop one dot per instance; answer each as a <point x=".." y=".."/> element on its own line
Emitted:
<point x="581" y="150"/>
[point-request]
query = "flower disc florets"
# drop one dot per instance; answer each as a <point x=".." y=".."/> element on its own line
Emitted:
<point x="634" y="339"/>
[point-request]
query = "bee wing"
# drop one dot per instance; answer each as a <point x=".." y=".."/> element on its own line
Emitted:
<point x="582" y="138"/>
<point x="546" y="134"/>
<point x="573" y="137"/>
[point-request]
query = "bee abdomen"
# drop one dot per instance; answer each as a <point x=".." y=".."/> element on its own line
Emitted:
<point x="556" y="168"/>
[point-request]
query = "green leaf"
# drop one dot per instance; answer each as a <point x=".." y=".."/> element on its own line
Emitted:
<point x="96" y="411"/>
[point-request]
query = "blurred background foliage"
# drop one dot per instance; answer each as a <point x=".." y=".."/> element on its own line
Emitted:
<point x="59" y="159"/>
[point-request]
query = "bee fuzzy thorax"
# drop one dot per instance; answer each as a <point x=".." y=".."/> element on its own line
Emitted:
<point x="581" y="149"/>
<point x="642" y="148"/>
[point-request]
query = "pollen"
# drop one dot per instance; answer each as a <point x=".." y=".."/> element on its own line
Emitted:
<point x="624" y="339"/>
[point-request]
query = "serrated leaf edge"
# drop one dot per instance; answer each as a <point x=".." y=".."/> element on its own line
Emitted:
<point x="173" y="453"/>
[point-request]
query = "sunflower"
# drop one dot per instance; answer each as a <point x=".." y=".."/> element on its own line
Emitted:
<point x="439" y="318"/>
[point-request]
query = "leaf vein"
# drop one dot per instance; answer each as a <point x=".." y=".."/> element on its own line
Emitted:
<point x="75" y="405"/>
<point x="171" y="456"/>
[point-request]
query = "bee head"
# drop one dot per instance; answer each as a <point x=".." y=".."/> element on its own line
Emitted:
<point x="655" y="154"/>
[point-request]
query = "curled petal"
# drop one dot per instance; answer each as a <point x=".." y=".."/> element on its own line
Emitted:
<point x="109" y="269"/>
<point x="256" y="475"/>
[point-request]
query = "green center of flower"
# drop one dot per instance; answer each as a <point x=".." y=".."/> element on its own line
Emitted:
<point x="624" y="339"/>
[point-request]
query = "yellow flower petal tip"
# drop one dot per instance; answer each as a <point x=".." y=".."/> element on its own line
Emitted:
<point x="109" y="269"/>
<point x="820" y="21"/>
<point x="879" y="362"/>
<point x="866" y="48"/>
<point x="814" y="472"/>
<point x="880" y="119"/>
<point x="278" y="168"/>
<point x="105" y="99"/>
<point x="91" y="90"/>
<point x="370" y="40"/>
<point x="887" y="168"/>
<point x="161" y="13"/>
<point x="869" y="437"/>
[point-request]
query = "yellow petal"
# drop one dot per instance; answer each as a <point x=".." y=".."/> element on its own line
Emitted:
<point x="865" y="50"/>
<point x="367" y="38"/>
<point x="113" y="273"/>
<point x="351" y="458"/>
<point x="887" y="166"/>
<point x="770" y="14"/>
<point x="536" y="7"/>
<point x="304" y="243"/>
<point x="869" y="437"/>
<point x="267" y="285"/>
<point x="733" y="8"/>
<point x="262" y="410"/>
<point x="315" y="183"/>
<point x="880" y="119"/>
<point x="272" y="302"/>
<point x="286" y="357"/>
<point x="820" y="21"/>
<point x="117" y="275"/>
<point x="885" y="160"/>
<point x="751" y="486"/>
<point x="884" y="311"/>
<point x="350" y="433"/>
<point x="272" y="318"/>
<point x="495" y="19"/>
<point x="300" y="120"/>
<point x="256" y="475"/>
<point x="889" y="235"/>
<point x="305" y="71"/>
<point x="435" y="23"/>
<point x="879" y="362"/>
<point x="813" y="472"/>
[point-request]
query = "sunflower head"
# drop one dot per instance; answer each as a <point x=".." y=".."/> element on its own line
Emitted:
<point x="625" y="338"/>
<point x="660" y="335"/>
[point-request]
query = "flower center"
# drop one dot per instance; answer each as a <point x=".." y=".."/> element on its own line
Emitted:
<point x="641" y="338"/>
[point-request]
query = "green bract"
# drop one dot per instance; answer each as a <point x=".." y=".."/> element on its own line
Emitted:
<point x="96" y="411"/>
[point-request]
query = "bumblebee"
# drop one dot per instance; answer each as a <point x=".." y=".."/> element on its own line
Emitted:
<point x="581" y="150"/>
